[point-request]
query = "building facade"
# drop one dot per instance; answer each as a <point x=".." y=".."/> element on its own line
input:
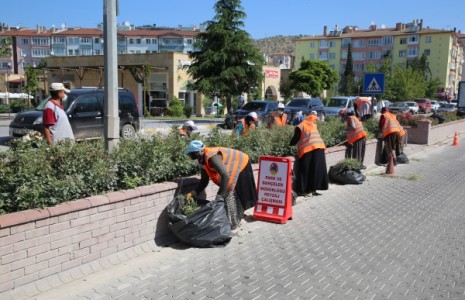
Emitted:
<point x="443" y="49"/>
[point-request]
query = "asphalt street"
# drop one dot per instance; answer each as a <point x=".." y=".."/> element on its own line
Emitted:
<point x="395" y="236"/>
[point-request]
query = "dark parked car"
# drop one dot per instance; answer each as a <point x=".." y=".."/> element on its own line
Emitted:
<point x="305" y="105"/>
<point x="448" y="107"/>
<point x="396" y="107"/>
<point x="263" y="108"/>
<point x="84" y="108"/>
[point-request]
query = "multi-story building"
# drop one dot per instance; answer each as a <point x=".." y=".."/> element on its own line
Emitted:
<point x="30" y="46"/>
<point x="404" y="42"/>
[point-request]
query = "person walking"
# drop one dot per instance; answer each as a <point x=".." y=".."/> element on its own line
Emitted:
<point x="240" y="101"/>
<point x="56" y="124"/>
<point x="279" y="118"/>
<point x="390" y="130"/>
<point x="187" y="128"/>
<point x="310" y="164"/>
<point x="247" y="124"/>
<point x="356" y="138"/>
<point x="231" y="170"/>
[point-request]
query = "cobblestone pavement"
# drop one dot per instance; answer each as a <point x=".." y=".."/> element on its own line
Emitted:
<point x="393" y="237"/>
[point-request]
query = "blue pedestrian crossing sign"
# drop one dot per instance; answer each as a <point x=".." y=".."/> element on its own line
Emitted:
<point x="373" y="83"/>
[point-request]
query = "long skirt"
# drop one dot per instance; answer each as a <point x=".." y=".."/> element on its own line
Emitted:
<point x="357" y="150"/>
<point x="310" y="172"/>
<point x="392" y="144"/>
<point x="242" y="198"/>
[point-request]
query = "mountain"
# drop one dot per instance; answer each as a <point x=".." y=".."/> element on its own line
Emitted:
<point x="277" y="44"/>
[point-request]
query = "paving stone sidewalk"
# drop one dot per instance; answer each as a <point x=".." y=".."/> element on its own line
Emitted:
<point x="392" y="237"/>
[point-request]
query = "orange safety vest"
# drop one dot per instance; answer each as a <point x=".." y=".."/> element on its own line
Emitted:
<point x="183" y="132"/>
<point x="360" y="101"/>
<point x="390" y="124"/>
<point x="235" y="161"/>
<point x="354" y="134"/>
<point x="310" y="138"/>
<point x="279" y="120"/>
<point x="313" y="118"/>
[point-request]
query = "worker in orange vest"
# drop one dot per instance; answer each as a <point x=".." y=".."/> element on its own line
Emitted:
<point x="187" y="128"/>
<point x="310" y="164"/>
<point x="231" y="170"/>
<point x="362" y="106"/>
<point x="247" y="124"/>
<point x="356" y="138"/>
<point x="390" y="129"/>
<point x="279" y="118"/>
<point x="313" y="117"/>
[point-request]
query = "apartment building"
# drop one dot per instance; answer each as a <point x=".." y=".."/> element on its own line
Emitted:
<point x="30" y="46"/>
<point x="406" y="41"/>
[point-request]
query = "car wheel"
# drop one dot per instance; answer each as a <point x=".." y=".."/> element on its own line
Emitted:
<point x="128" y="131"/>
<point x="322" y="117"/>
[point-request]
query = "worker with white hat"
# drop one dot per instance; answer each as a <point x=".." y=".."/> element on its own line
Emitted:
<point x="247" y="124"/>
<point x="186" y="129"/>
<point x="279" y="118"/>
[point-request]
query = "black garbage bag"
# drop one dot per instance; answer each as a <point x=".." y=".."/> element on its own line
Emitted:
<point x="206" y="227"/>
<point x="345" y="176"/>
<point x="402" y="159"/>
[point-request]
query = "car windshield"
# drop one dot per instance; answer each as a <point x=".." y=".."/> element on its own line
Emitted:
<point x="397" y="104"/>
<point x="298" y="103"/>
<point x="254" y="106"/>
<point x="448" y="105"/>
<point x="337" y="102"/>
<point x="41" y="105"/>
<point x="411" y="103"/>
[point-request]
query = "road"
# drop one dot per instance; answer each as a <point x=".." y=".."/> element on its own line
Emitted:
<point x="392" y="237"/>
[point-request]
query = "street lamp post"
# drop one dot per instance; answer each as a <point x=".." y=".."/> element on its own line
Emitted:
<point x="7" y="90"/>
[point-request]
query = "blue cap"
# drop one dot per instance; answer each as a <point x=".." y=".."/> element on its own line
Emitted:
<point x="194" y="146"/>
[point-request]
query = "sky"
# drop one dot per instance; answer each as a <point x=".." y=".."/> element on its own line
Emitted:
<point x="265" y="18"/>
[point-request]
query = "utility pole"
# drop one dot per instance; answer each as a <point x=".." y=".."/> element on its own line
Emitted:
<point x="111" y="120"/>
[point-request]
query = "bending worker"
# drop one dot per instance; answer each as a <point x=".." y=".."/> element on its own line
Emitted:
<point x="390" y="129"/>
<point x="247" y="124"/>
<point x="187" y="128"/>
<point x="356" y="138"/>
<point x="231" y="170"/>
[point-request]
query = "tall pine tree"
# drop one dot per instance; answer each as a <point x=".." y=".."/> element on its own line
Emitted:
<point x="226" y="61"/>
<point x="347" y="85"/>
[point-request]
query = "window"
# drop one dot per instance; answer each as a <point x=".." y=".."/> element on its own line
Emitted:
<point x="24" y="41"/>
<point x="403" y="41"/>
<point x="70" y="52"/>
<point x="97" y="40"/>
<point x="86" y="40"/>
<point x="427" y="52"/>
<point x="323" y="43"/>
<point x="358" y="67"/>
<point x="374" y="43"/>
<point x="332" y="44"/>
<point x="87" y="104"/>
<point x="312" y="44"/>
<point x="413" y="39"/>
<point x="332" y="55"/>
<point x="76" y="52"/>
<point x="86" y="52"/>
<point x="374" y="55"/>
<point x="312" y="56"/>
<point x="358" y="55"/>
<point x="23" y="53"/>
<point x="59" y="40"/>
<point x="73" y="40"/>
<point x="412" y="52"/>
<point x="427" y="39"/>
<point x="323" y="55"/>
<point x="387" y="40"/>
<point x="148" y="41"/>
<point x="346" y="42"/>
<point x="97" y="52"/>
<point x="402" y="53"/>
<point x="40" y="41"/>
<point x="131" y="41"/>
<point x="38" y="52"/>
<point x="189" y="41"/>
<point x="359" y="44"/>
<point x="138" y="41"/>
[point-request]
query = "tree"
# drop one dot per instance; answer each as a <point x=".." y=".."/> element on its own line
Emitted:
<point x="407" y="84"/>
<point x="226" y="61"/>
<point x="347" y="85"/>
<point x="5" y="47"/>
<point x="313" y="77"/>
<point x="285" y="88"/>
<point x="32" y="84"/>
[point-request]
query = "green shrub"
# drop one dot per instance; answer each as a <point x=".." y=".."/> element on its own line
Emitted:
<point x="175" y="107"/>
<point x="348" y="164"/>
<point x="18" y="106"/>
<point x="188" y="110"/>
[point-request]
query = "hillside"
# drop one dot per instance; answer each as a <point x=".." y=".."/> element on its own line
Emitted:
<point x="277" y="44"/>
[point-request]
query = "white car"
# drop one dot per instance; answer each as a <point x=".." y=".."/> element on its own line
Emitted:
<point x="413" y="107"/>
<point x="434" y="105"/>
